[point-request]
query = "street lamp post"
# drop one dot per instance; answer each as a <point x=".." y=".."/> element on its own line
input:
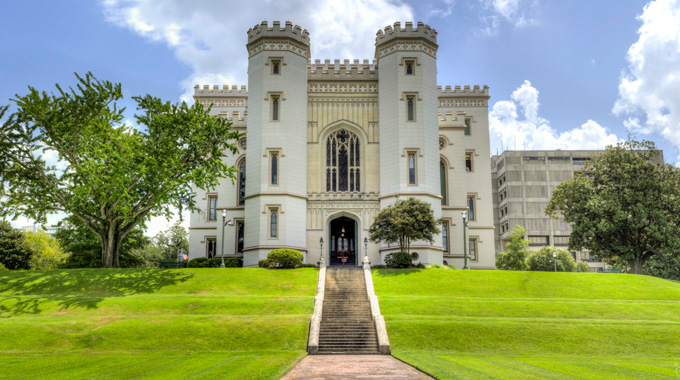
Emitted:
<point x="321" y="258"/>
<point x="465" y="225"/>
<point x="555" y="259"/>
<point x="365" y="250"/>
<point x="224" y="217"/>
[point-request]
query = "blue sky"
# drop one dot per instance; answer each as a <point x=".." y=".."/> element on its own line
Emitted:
<point x="563" y="74"/>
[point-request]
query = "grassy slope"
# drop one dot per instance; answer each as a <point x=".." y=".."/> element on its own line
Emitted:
<point x="498" y="324"/>
<point x="198" y="323"/>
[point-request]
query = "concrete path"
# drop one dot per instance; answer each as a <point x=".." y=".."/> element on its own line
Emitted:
<point x="319" y="367"/>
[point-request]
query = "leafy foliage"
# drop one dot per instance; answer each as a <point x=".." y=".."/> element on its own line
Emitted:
<point x="583" y="266"/>
<point x="215" y="262"/>
<point x="664" y="266"/>
<point x="46" y="253"/>
<point x="3" y="267"/>
<point x="406" y="221"/>
<point x="398" y="260"/>
<point x="285" y="258"/>
<point x="516" y="256"/>
<point x="543" y="260"/>
<point x="14" y="254"/>
<point x="172" y="241"/>
<point x="84" y="247"/>
<point x="264" y="263"/>
<point x="110" y="176"/>
<point x="624" y="206"/>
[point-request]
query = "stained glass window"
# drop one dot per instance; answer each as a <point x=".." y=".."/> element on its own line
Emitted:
<point x="275" y="169"/>
<point x="343" y="162"/>
<point x="242" y="183"/>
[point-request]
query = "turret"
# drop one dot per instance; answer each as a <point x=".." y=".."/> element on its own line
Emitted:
<point x="276" y="180"/>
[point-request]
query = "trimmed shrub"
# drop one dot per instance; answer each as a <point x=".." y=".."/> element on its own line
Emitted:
<point x="398" y="260"/>
<point x="264" y="263"/>
<point x="199" y="262"/>
<point x="543" y="260"/>
<point x="583" y="266"/>
<point x="310" y="265"/>
<point x="285" y="258"/>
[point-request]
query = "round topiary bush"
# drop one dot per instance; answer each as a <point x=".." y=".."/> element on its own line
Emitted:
<point x="285" y="258"/>
<point x="543" y="260"/>
<point x="199" y="262"/>
<point x="398" y="260"/>
<point x="264" y="263"/>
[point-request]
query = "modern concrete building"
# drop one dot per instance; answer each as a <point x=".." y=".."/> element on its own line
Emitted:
<point x="329" y="144"/>
<point x="523" y="182"/>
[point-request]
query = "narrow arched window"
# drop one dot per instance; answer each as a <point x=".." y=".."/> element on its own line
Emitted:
<point x="343" y="162"/>
<point x="275" y="169"/>
<point x="242" y="183"/>
<point x="275" y="108"/>
<point x="410" y="111"/>
<point x="442" y="179"/>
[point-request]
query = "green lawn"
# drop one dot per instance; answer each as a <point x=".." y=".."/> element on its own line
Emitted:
<point x="519" y="325"/>
<point x="148" y="323"/>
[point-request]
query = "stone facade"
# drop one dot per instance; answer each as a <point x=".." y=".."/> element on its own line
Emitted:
<point x="329" y="141"/>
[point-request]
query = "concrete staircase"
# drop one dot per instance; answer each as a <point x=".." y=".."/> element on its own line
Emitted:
<point x="346" y="323"/>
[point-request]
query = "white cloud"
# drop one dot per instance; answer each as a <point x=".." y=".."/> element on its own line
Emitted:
<point x="518" y="13"/>
<point x="649" y="90"/>
<point x="515" y="124"/>
<point x="210" y="36"/>
<point x="159" y="223"/>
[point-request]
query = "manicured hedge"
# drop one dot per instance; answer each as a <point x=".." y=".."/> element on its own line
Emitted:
<point x="285" y="258"/>
<point x="215" y="262"/>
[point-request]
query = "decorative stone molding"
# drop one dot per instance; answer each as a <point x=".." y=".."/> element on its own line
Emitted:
<point x="289" y="31"/>
<point x="215" y="90"/>
<point x="278" y="45"/>
<point x="315" y="324"/>
<point x="462" y="102"/>
<point x="351" y="87"/>
<point x="411" y="46"/>
<point x="222" y="102"/>
<point x="344" y="101"/>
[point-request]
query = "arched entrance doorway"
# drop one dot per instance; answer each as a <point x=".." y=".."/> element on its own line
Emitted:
<point x="343" y="241"/>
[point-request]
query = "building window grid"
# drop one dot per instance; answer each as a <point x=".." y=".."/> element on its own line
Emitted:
<point x="276" y="105"/>
<point x="343" y="162"/>
<point x="212" y="207"/>
<point x="242" y="183"/>
<point x="471" y="207"/>
<point x="273" y="222"/>
<point x="468" y="162"/>
<point x="538" y="241"/>
<point x="412" y="168"/>
<point x="274" y="168"/>
<point x="410" y="108"/>
<point x="240" y="236"/>
<point x="561" y="241"/>
<point x="468" y="123"/>
<point x="472" y="248"/>
<point x="445" y="236"/>
<point x="210" y="247"/>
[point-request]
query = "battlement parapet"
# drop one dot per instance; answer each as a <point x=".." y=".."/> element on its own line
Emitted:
<point x="466" y="91"/>
<point x="421" y="31"/>
<point x="224" y="90"/>
<point x="355" y="70"/>
<point x="276" y="31"/>
<point x="237" y="119"/>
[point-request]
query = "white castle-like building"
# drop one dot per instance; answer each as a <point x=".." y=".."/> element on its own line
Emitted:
<point x="330" y="144"/>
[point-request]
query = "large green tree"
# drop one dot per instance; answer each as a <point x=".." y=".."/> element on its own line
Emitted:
<point x="170" y="242"/>
<point x="114" y="177"/>
<point x="84" y="247"/>
<point x="46" y="252"/>
<point x="623" y="206"/>
<point x="14" y="254"/>
<point x="515" y="258"/>
<point x="404" y="222"/>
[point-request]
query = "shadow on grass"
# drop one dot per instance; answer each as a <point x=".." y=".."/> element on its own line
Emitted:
<point x="23" y="292"/>
<point x="396" y="272"/>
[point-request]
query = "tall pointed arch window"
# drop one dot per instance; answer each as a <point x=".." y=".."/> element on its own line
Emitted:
<point x="242" y="183"/>
<point x="343" y="162"/>
<point x="442" y="180"/>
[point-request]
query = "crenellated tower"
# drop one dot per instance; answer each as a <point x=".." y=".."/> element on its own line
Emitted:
<point x="409" y="154"/>
<point x="276" y="178"/>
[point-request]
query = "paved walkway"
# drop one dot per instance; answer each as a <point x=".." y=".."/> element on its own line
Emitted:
<point x="319" y="367"/>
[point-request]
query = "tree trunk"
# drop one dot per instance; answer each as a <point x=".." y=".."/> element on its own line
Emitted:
<point x="110" y="248"/>
<point x="636" y="265"/>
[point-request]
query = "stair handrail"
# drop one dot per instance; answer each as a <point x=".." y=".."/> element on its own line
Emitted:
<point x="378" y="319"/>
<point x="315" y="323"/>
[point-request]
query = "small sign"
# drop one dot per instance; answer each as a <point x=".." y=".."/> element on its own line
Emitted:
<point x="344" y="260"/>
